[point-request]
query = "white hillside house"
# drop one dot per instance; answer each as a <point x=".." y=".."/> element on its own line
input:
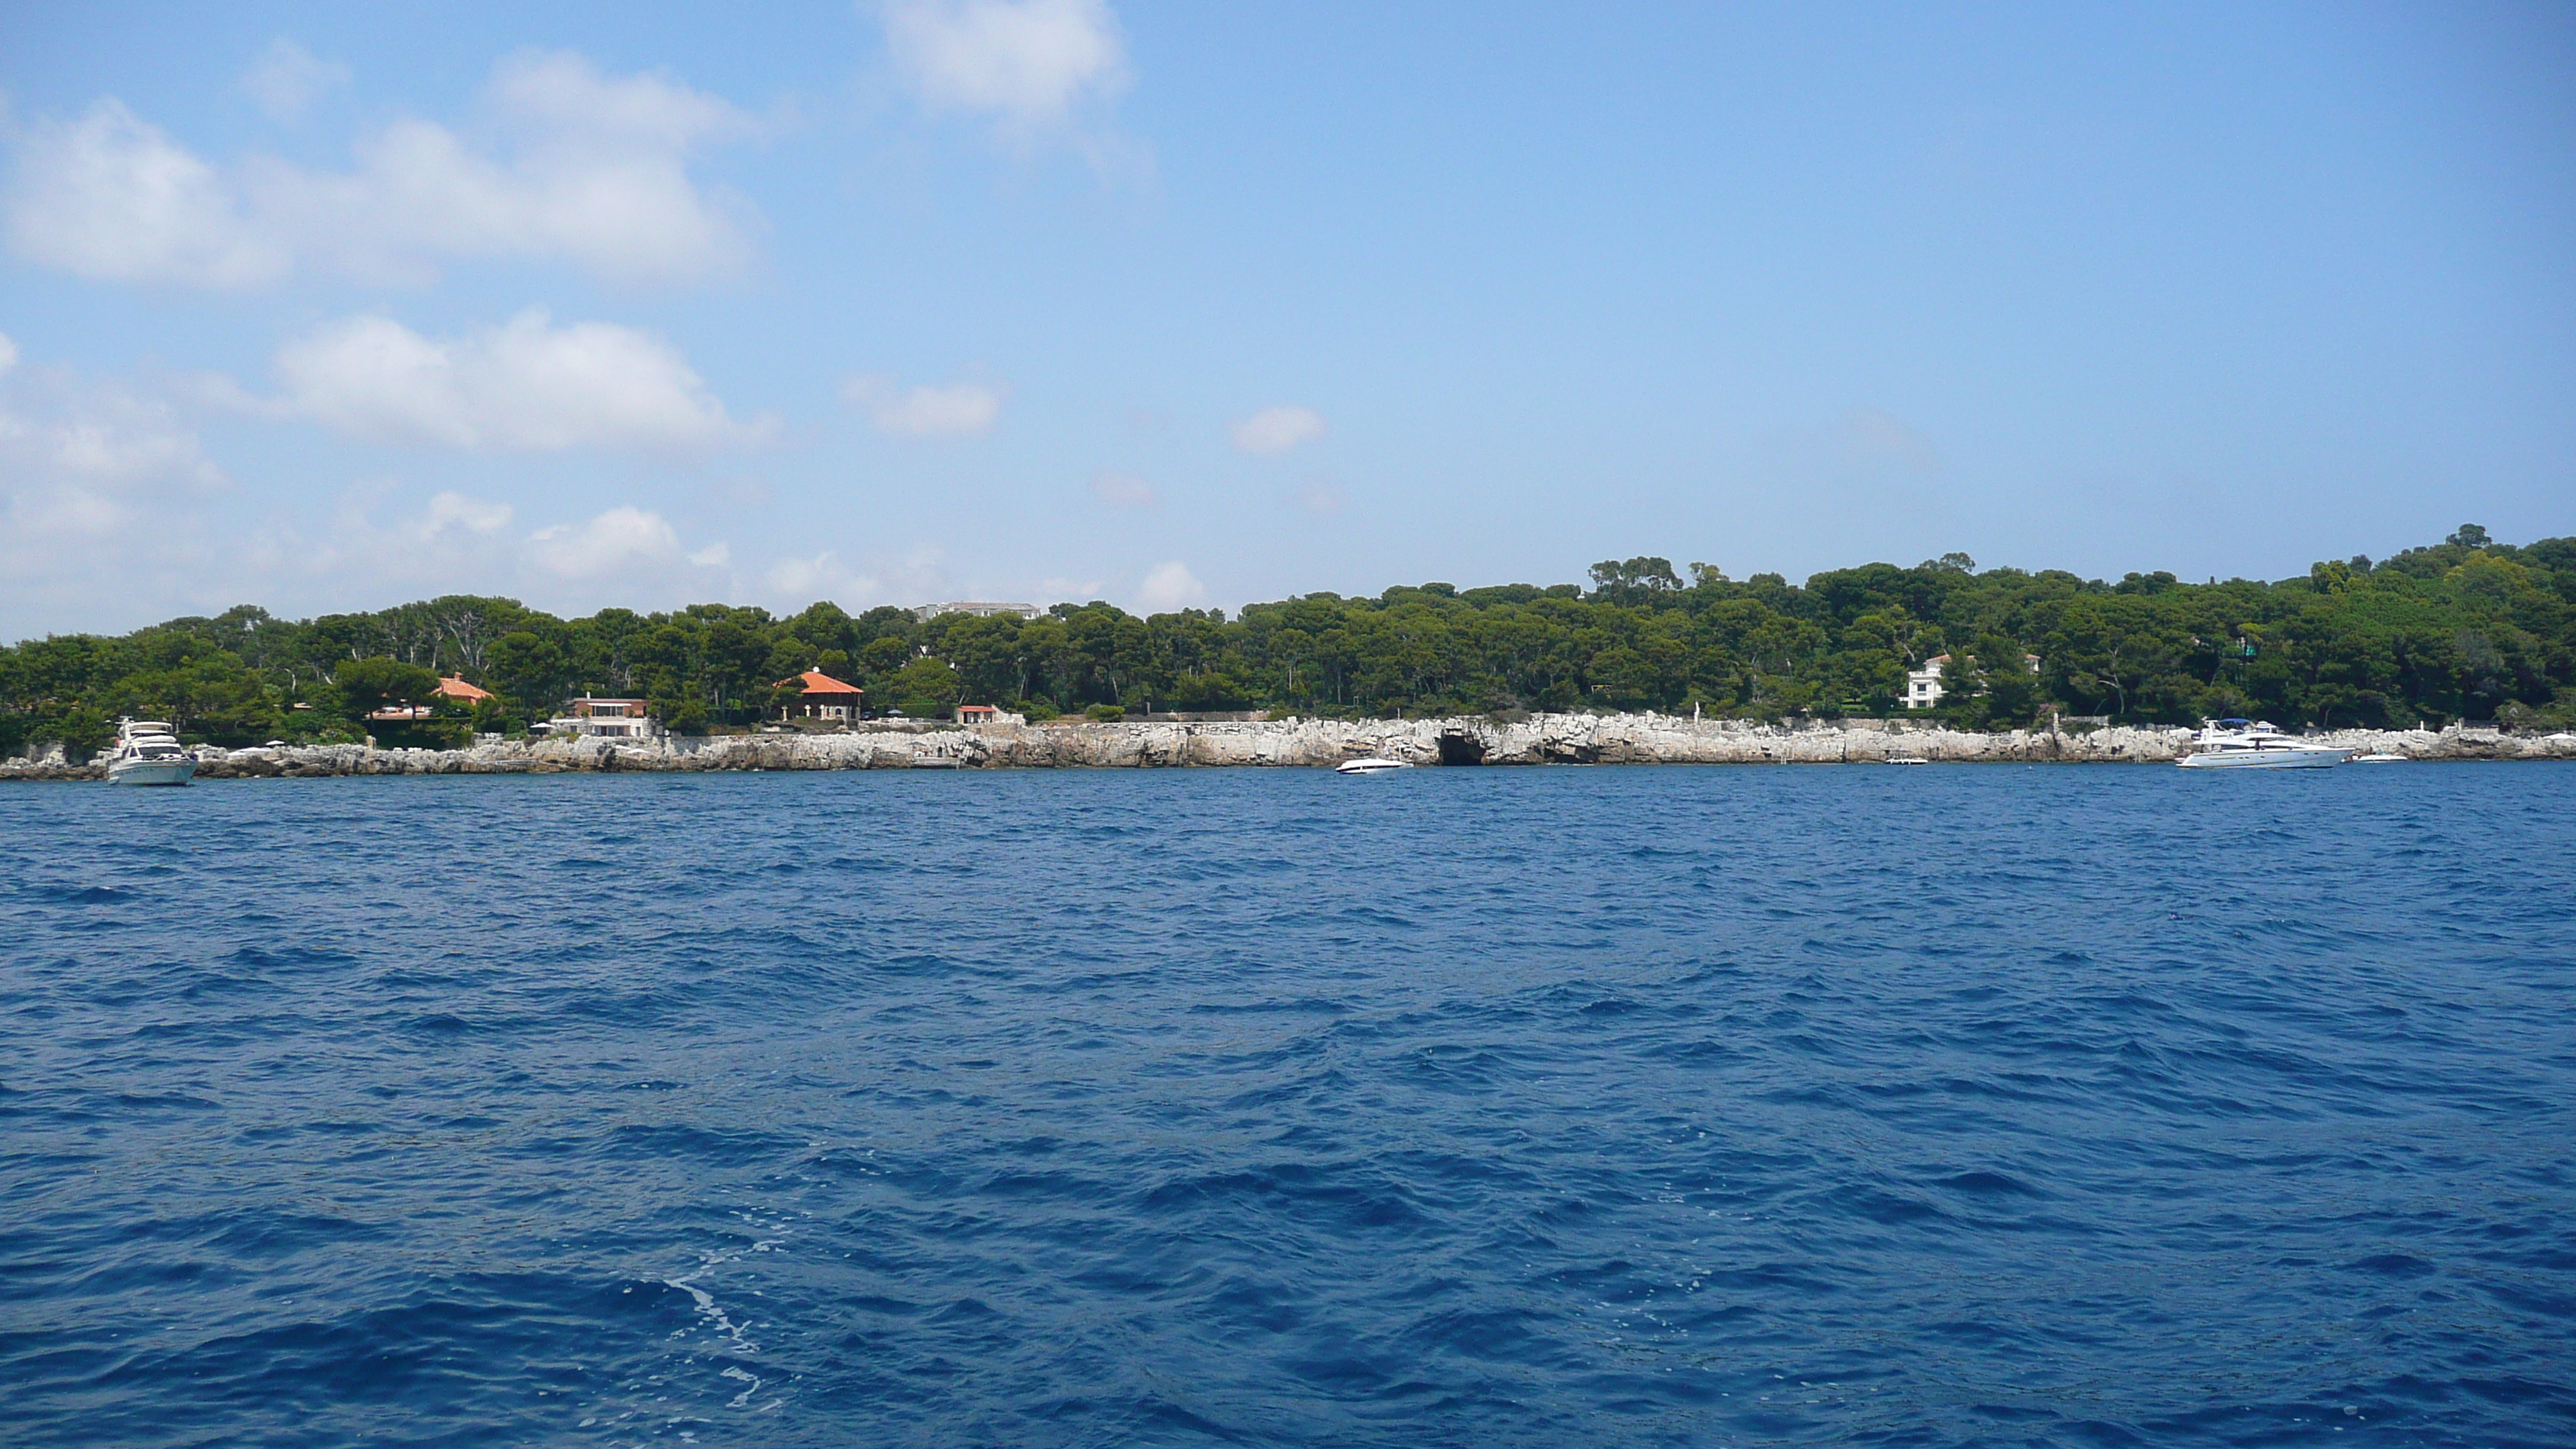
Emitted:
<point x="980" y="608"/>
<point x="1923" y="686"/>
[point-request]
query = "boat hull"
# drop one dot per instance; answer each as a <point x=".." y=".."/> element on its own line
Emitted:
<point x="2262" y="760"/>
<point x="151" y="772"/>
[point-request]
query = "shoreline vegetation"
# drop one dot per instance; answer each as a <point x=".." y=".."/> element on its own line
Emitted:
<point x="2467" y="631"/>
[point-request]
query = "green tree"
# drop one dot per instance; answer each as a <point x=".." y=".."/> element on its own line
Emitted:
<point x="368" y="685"/>
<point x="530" y="670"/>
<point x="924" y="686"/>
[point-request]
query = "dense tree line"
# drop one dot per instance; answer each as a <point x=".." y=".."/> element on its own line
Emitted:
<point x="2468" y="628"/>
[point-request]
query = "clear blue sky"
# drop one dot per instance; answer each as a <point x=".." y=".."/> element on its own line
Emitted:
<point x="333" y="306"/>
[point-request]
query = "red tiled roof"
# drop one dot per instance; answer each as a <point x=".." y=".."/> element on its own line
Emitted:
<point x="817" y="682"/>
<point x="453" y="687"/>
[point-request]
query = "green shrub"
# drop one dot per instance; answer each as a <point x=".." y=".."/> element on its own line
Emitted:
<point x="1105" y="713"/>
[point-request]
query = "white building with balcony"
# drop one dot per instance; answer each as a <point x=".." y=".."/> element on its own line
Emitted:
<point x="615" y="719"/>
<point x="979" y="608"/>
<point x="1923" y="686"/>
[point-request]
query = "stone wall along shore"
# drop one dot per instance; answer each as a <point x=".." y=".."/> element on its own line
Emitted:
<point x="1627" y="739"/>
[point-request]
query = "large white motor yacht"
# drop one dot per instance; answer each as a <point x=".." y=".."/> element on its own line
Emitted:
<point x="1370" y="766"/>
<point x="2240" y="744"/>
<point x="147" y="753"/>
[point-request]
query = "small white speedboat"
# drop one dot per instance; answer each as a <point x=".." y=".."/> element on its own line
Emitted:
<point x="1906" y="760"/>
<point x="2381" y="757"/>
<point x="2243" y="744"/>
<point x="1370" y="766"/>
<point x="147" y="753"/>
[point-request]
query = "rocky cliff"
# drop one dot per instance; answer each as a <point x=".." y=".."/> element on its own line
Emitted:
<point x="1630" y="739"/>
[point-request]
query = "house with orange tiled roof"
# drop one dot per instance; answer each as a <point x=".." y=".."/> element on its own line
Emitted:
<point x="821" y="698"/>
<point x="451" y="687"/>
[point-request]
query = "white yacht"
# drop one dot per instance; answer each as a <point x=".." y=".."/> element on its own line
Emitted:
<point x="2242" y="744"/>
<point x="147" y="753"/>
<point x="1370" y="766"/>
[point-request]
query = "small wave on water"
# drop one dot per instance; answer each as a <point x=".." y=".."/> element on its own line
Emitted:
<point x="1601" y="1107"/>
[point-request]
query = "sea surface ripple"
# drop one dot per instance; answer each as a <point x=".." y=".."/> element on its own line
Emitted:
<point x="1963" y="1105"/>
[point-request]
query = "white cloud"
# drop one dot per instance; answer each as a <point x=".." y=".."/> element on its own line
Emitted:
<point x="286" y="80"/>
<point x="1276" y="430"/>
<point x="454" y="543"/>
<point x="1321" y="499"/>
<point x="595" y="172"/>
<point x="1119" y="490"/>
<point x="960" y="409"/>
<point x="526" y="385"/>
<point x="8" y="352"/>
<point x="112" y="197"/>
<point x="80" y="458"/>
<point x="1870" y="435"/>
<point x="917" y="575"/>
<point x="103" y="498"/>
<point x="622" y="540"/>
<point x="455" y="510"/>
<point x="1059" y="588"/>
<point x="1029" y="63"/>
<point x="713" y="556"/>
<point x="803" y="580"/>
<point x="112" y="514"/>
<point x="1170" y="586"/>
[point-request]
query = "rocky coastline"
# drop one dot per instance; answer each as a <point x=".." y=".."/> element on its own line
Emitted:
<point x="1627" y="739"/>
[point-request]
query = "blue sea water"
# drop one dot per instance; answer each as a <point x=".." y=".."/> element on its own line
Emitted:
<point x="1659" y="1106"/>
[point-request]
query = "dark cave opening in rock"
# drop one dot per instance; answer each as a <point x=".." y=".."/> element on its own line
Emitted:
<point x="1461" y="750"/>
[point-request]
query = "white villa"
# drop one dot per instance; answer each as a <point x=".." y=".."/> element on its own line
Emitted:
<point x="1923" y="686"/>
<point x="608" y="718"/>
<point x="978" y="608"/>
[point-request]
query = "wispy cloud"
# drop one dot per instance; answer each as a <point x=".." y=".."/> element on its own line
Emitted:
<point x="526" y="385"/>
<point x="619" y="540"/>
<point x="1277" y="429"/>
<point x="1169" y="586"/>
<point x="1030" y="64"/>
<point x="1041" y="73"/>
<point x="1870" y="435"/>
<point x="958" y="409"/>
<point x="1321" y="499"/>
<point x="821" y="577"/>
<point x="101" y="479"/>
<point x="594" y="172"/>
<point x="286" y="80"/>
<point x="88" y="457"/>
<point x="1060" y="589"/>
<point x="451" y="510"/>
<point x="1121" y="490"/>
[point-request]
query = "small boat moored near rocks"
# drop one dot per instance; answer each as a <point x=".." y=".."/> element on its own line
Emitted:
<point x="2246" y="745"/>
<point x="147" y="753"/>
<point x="1370" y="766"/>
